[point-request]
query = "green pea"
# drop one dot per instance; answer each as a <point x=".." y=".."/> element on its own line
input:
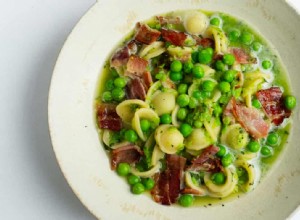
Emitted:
<point x="186" y="200"/>
<point x="120" y="82"/>
<point x="197" y="94"/>
<point x="246" y="38"/>
<point x="131" y="136"/>
<point x="118" y="94"/>
<point x="176" y="66"/>
<point x="266" y="64"/>
<point x="227" y="160"/>
<point x="106" y="96"/>
<point x="109" y="85"/>
<point x="224" y="86"/>
<point x="256" y="46"/>
<point x="148" y="183"/>
<point x="197" y="71"/>
<point x="182" y="88"/>
<point x="218" y="110"/>
<point x="133" y="179"/>
<point x="256" y="103"/>
<point x="145" y="125"/>
<point x="266" y="151"/>
<point x="208" y="85"/>
<point x="183" y="100"/>
<point x="253" y="146"/>
<point x="123" y="169"/>
<point x="229" y="59"/>
<point x="205" y="94"/>
<point x="195" y="56"/>
<point x="290" y="102"/>
<point x="205" y="56"/>
<point x="185" y="129"/>
<point x="215" y="21"/>
<point x="188" y="66"/>
<point x="182" y="113"/>
<point x="222" y="151"/>
<point x="233" y="35"/>
<point x="198" y="124"/>
<point x="229" y="75"/>
<point x="138" y="188"/>
<point x="219" y="65"/>
<point x="165" y="119"/>
<point x="272" y="139"/>
<point x="175" y="76"/>
<point x="193" y="103"/>
<point x="218" y="178"/>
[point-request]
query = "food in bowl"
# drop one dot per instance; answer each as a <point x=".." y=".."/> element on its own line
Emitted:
<point x="194" y="107"/>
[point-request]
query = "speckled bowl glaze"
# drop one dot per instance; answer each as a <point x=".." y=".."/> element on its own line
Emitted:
<point x="75" y="140"/>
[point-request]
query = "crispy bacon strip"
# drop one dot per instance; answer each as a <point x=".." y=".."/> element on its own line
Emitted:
<point x="136" y="65"/>
<point x="227" y="113"/>
<point x="241" y="56"/>
<point x="108" y="118"/>
<point x="204" y="42"/>
<point x="168" y="20"/>
<point x="174" y="37"/>
<point x="121" y="56"/>
<point x="272" y="102"/>
<point x="146" y="35"/>
<point x="129" y="153"/>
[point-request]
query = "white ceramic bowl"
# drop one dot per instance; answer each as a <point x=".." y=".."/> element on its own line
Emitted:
<point x="79" y="153"/>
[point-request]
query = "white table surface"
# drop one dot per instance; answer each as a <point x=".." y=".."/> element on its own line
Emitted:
<point x="31" y="35"/>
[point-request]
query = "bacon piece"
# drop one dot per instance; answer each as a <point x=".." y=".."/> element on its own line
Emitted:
<point x="191" y="191"/>
<point x="168" y="182"/>
<point x="207" y="161"/>
<point x="129" y="153"/>
<point x="122" y="55"/>
<point x="251" y="120"/>
<point x="174" y="37"/>
<point x="146" y="35"/>
<point x="241" y="56"/>
<point x="147" y="79"/>
<point x="168" y="20"/>
<point x="136" y="65"/>
<point x="136" y="89"/>
<point x="204" y="42"/>
<point x="108" y="118"/>
<point x="227" y="113"/>
<point x="272" y="102"/>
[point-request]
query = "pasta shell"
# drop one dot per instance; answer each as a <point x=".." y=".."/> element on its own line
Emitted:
<point x="221" y="41"/>
<point x="213" y="128"/>
<point x="196" y="23"/>
<point x="164" y="102"/>
<point x="235" y="136"/>
<point x="147" y="173"/>
<point x="188" y="181"/>
<point x="127" y="108"/>
<point x="156" y="155"/>
<point x="197" y="140"/>
<point x="251" y="171"/>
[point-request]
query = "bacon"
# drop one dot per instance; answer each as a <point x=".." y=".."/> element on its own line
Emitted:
<point x="207" y="161"/>
<point x="272" y="102"/>
<point x="174" y="37"/>
<point x="241" y="56"/>
<point x="136" y="65"/>
<point x="168" y="20"/>
<point x="129" y="153"/>
<point x="146" y="35"/>
<point x="136" y="89"/>
<point x="108" y="118"/>
<point x="168" y="182"/>
<point x="251" y="120"/>
<point x="191" y="191"/>
<point x="227" y="113"/>
<point x="147" y="79"/>
<point x="204" y="42"/>
<point x="122" y="55"/>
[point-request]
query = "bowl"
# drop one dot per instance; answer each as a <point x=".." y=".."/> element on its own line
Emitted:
<point x="75" y="140"/>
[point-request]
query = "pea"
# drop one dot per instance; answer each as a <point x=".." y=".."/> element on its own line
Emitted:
<point x="175" y="76"/>
<point x="182" y="113"/>
<point x="256" y="46"/>
<point x="118" y="94"/>
<point x="229" y="75"/>
<point x="185" y="129"/>
<point x="133" y="179"/>
<point x="208" y="85"/>
<point x="106" y="96"/>
<point x="183" y="100"/>
<point x="123" y="169"/>
<point x="266" y="64"/>
<point x="197" y="94"/>
<point x="222" y="151"/>
<point x="224" y="86"/>
<point x="272" y="139"/>
<point x="219" y="65"/>
<point x="193" y="103"/>
<point x="290" y="102"/>
<point x="148" y="183"/>
<point x="218" y="178"/>
<point x="256" y="103"/>
<point x="227" y="160"/>
<point x="253" y="146"/>
<point x="266" y="151"/>
<point x="165" y="119"/>
<point x="182" y="88"/>
<point x="218" y="110"/>
<point x="188" y="66"/>
<point x="145" y="125"/>
<point x="246" y="38"/>
<point x="197" y="71"/>
<point x="186" y="200"/>
<point x="233" y="35"/>
<point x="176" y="66"/>
<point x="195" y="56"/>
<point x="205" y="94"/>
<point x="229" y="59"/>
<point x="109" y="85"/>
<point x="138" y="188"/>
<point x="205" y="56"/>
<point x="130" y="135"/>
<point x="120" y="82"/>
<point x="198" y="124"/>
<point x="215" y="21"/>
